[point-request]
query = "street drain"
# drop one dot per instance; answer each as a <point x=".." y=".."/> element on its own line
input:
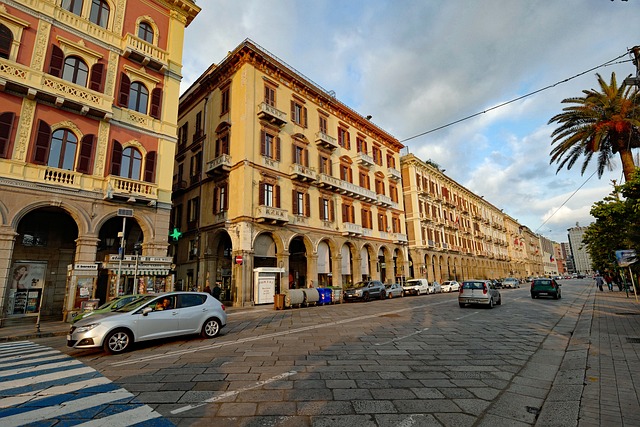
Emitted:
<point x="532" y="410"/>
<point x="633" y="340"/>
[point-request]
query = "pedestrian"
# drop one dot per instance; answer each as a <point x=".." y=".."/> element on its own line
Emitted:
<point x="609" y="281"/>
<point x="599" y="282"/>
<point x="216" y="291"/>
<point x="207" y="289"/>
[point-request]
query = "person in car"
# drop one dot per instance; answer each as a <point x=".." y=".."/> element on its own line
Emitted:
<point x="165" y="304"/>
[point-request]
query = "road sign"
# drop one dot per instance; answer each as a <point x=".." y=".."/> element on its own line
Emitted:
<point x="239" y="259"/>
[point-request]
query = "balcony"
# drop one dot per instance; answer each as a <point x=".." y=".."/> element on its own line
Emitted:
<point x="357" y="192"/>
<point x="179" y="185"/>
<point x="271" y="114"/>
<point x="35" y="84"/>
<point x="144" y="53"/>
<point x="271" y="215"/>
<point x="400" y="238"/>
<point x="364" y="160"/>
<point x="328" y="182"/>
<point x="302" y="173"/>
<point x="425" y="217"/>
<point x="221" y="164"/>
<point x="129" y="188"/>
<point x="350" y="229"/>
<point x="394" y="174"/>
<point x="61" y="177"/>
<point x="384" y="200"/>
<point x="325" y="141"/>
<point x="431" y="243"/>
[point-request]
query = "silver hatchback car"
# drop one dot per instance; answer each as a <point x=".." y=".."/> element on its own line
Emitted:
<point x="150" y="317"/>
<point x="481" y="292"/>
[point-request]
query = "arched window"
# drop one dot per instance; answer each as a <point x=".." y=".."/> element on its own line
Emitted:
<point x="62" y="152"/>
<point x="75" y="71"/>
<point x="6" y="40"/>
<point x="138" y="97"/>
<point x="145" y="32"/>
<point x="131" y="163"/>
<point x="73" y="6"/>
<point x="99" y="14"/>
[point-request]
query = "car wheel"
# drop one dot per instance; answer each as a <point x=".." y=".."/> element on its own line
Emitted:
<point x="117" y="341"/>
<point x="365" y="296"/>
<point x="211" y="328"/>
<point x="461" y="305"/>
<point x="560" y="295"/>
<point x="383" y="295"/>
<point x="490" y="303"/>
<point x="402" y="294"/>
<point x="499" y="301"/>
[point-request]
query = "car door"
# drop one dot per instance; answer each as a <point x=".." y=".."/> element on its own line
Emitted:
<point x="157" y="323"/>
<point x="192" y="312"/>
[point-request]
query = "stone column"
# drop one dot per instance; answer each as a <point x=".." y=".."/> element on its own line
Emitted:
<point x="7" y="242"/>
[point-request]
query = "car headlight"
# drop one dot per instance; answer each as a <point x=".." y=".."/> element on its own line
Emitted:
<point x="86" y="328"/>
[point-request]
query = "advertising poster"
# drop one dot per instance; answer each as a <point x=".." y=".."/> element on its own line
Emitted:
<point x="626" y="257"/>
<point x="25" y="283"/>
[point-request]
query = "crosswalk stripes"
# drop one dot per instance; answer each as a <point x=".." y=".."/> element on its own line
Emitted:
<point x="42" y="386"/>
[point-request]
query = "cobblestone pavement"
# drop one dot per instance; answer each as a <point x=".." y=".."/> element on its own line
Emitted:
<point x="404" y="362"/>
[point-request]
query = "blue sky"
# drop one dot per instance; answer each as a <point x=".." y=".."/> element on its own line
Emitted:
<point x="415" y="65"/>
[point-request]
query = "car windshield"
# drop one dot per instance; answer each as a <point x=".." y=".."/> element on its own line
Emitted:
<point x="137" y="303"/>
<point x="108" y="303"/>
<point x="413" y="283"/>
<point x="543" y="282"/>
<point x="360" y="284"/>
<point x="473" y="285"/>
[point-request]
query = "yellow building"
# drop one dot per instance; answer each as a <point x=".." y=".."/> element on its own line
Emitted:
<point x="455" y="234"/>
<point x="88" y="117"/>
<point x="279" y="185"/>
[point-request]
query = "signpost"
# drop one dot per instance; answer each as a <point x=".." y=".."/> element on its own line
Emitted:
<point x="124" y="213"/>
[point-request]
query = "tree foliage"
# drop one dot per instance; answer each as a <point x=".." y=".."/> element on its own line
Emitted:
<point x="617" y="224"/>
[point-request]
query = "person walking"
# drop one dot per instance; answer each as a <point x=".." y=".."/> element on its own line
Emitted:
<point x="599" y="282"/>
<point x="609" y="281"/>
<point x="217" y="290"/>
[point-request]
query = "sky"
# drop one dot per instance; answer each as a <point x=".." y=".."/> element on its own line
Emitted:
<point x="417" y="65"/>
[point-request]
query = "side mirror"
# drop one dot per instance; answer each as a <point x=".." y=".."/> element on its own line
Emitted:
<point x="146" y="310"/>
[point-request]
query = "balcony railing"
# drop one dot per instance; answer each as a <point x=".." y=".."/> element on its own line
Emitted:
<point x="394" y="174"/>
<point x="400" y="238"/>
<point x="357" y="192"/>
<point x="220" y="164"/>
<point x="350" y="229"/>
<point x="62" y="177"/>
<point x="326" y="141"/>
<point x="143" y="52"/>
<point x="302" y="173"/>
<point x="328" y="181"/>
<point x="384" y="200"/>
<point x="271" y="114"/>
<point x="272" y="215"/>
<point x="129" y="187"/>
<point x="364" y="159"/>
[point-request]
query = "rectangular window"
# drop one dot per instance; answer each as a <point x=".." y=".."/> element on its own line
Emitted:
<point x="224" y="100"/>
<point x="345" y="173"/>
<point x="324" y="208"/>
<point x="268" y="195"/>
<point x="343" y="138"/>
<point x="393" y="192"/>
<point x="298" y="155"/>
<point x="298" y="114"/>
<point x="194" y="209"/>
<point x="220" y="199"/>
<point x="361" y="145"/>
<point x="198" y="133"/>
<point x="184" y="130"/>
<point x="322" y="120"/>
<point x="222" y="144"/>
<point x="269" y="95"/>
<point x="379" y="187"/>
<point x="270" y="145"/>
<point x="391" y="161"/>
<point x="325" y="165"/>
<point x="377" y="156"/>
<point x="196" y="162"/>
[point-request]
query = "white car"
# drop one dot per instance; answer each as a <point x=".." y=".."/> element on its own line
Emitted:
<point x="510" y="282"/>
<point x="450" y="286"/>
<point x="150" y="317"/>
<point x="416" y="287"/>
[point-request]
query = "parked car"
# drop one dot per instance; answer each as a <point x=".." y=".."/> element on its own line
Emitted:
<point x="450" y="286"/>
<point x="394" y="290"/>
<point x="481" y="292"/>
<point x="416" y="287"/>
<point x="510" y="282"/>
<point x="435" y="288"/>
<point x="150" y="317"/>
<point x="365" y="291"/>
<point x="112" y="305"/>
<point x="548" y="287"/>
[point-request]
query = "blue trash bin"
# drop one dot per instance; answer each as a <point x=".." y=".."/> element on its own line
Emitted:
<point x="325" y="295"/>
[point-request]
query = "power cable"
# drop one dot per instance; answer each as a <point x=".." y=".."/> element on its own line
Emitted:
<point x="608" y="63"/>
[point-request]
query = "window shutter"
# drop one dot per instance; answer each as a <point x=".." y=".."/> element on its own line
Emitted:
<point x="216" y="198"/>
<point x="321" y="208"/>
<point x="293" y="111"/>
<point x="116" y="158"/>
<point x="6" y="127"/>
<point x="43" y="139"/>
<point x="307" y="205"/>
<point x="150" y="167"/>
<point x="125" y="86"/>
<point x="304" y="116"/>
<point x="306" y="157"/>
<point x="277" y="190"/>
<point x="261" y="194"/>
<point x="263" y="142"/>
<point x="56" y="62"/>
<point x="226" y="197"/>
<point x="331" y="210"/>
<point x="293" y="153"/>
<point x="97" y="76"/>
<point x="85" y="161"/>
<point x="345" y="216"/>
<point x="156" y="103"/>
<point x="294" y="200"/>
<point x="277" y="148"/>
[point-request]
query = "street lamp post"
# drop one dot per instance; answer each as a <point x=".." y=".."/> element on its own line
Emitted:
<point x="136" y="251"/>
<point x="120" y="254"/>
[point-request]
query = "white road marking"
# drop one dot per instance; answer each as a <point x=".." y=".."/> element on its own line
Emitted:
<point x="233" y="393"/>
<point x="68" y="407"/>
<point x="40" y="367"/>
<point x="13" y="361"/>
<point x="6" y="385"/>
<point x="401" y="338"/>
<point x="467" y="315"/>
<point x="52" y="391"/>
<point x="124" y="419"/>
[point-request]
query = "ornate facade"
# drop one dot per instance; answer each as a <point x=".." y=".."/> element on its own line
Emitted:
<point x="89" y="93"/>
<point x="279" y="185"/>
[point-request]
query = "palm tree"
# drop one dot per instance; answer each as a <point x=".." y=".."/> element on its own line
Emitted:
<point x="606" y="122"/>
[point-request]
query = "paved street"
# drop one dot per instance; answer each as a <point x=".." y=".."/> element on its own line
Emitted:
<point x="409" y="361"/>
